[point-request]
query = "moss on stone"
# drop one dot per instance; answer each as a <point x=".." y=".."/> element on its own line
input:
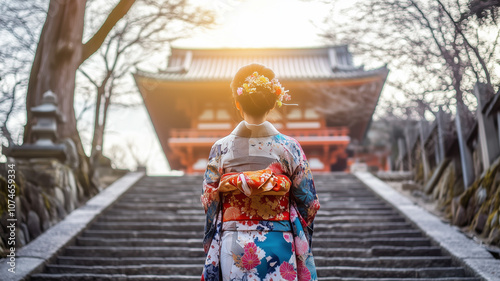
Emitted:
<point x="419" y="175"/>
<point x="469" y="193"/>
<point x="46" y="201"/>
<point x="3" y="195"/>
<point x="4" y="192"/>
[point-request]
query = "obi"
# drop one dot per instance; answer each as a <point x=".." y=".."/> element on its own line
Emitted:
<point x="256" y="195"/>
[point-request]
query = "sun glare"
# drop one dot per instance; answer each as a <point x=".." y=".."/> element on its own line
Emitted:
<point x="262" y="23"/>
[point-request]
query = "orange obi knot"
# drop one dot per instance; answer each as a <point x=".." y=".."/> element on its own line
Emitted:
<point x="256" y="195"/>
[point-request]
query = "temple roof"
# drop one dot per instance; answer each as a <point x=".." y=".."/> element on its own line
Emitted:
<point x="323" y="63"/>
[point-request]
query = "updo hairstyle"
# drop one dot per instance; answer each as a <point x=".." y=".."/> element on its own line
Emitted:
<point x="259" y="102"/>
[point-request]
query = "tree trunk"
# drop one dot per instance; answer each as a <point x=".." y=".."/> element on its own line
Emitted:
<point x="94" y="153"/>
<point x="57" y="58"/>
<point x="59" y="53"/>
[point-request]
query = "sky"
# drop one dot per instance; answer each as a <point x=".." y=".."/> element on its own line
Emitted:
<point x="251" y="23"/>
<point x="262" y="23"/>
<point x="240" y="24"/>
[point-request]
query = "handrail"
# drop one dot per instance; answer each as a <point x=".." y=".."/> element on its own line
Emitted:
<point x="196" y="133"/>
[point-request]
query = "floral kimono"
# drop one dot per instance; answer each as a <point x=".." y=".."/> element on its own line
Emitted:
<point x="260" y="203"/>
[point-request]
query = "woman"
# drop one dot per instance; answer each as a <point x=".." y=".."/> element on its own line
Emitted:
<point x="258" y="192"/>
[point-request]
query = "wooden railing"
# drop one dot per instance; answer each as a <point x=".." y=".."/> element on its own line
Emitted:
<point x="196" y="133"/>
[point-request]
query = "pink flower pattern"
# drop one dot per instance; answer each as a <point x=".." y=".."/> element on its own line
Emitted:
<point x="250" y="248"/>
<point x="250" y="261"/>
<point x="288" y="237"/>
<point x="287" y="271"/>
<point x="301" y="246"/>
<point x="303" y="272"/>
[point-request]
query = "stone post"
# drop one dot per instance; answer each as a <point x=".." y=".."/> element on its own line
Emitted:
<point x="437" y="157"/>
<point x="425" y="161"/>
<point x="465" y="155"/>
<point x="488" y="140"/>
<point x="401" y="154"/>
<point x="409" y="141"/>
<point x="440" y="119"/>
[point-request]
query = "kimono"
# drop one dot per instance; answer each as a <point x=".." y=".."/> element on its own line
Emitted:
<point x="260" y="203"/>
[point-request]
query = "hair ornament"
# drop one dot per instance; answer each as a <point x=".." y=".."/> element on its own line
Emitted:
<point x="255" y="81"/>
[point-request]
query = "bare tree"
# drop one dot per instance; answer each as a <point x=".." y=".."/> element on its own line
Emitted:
<point x="436" y="50"/>
<point x="118" y="155"/>
<point x="140" y="158"/>
<point x="484" y="9"/>
<point x="144" y="32"/>
<point x="59" y="53"/>
<point x="19" y="30"/>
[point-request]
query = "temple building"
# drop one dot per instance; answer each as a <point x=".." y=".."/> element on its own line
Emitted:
<point x="191" y="106"/>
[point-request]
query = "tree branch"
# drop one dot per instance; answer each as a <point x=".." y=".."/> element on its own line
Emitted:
<point x="474" y="49"/>
<point x="94" y="43"/>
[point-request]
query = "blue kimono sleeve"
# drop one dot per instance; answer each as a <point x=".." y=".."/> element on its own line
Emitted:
<point x="303" y="190"/>
<point x="210" y="194"/>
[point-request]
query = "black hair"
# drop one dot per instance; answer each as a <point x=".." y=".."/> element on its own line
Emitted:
<point x="259" y="102"/>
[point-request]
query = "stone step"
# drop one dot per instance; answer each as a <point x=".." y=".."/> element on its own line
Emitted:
<point x="318" y="242"/>
<point x="163" y="200"/>
<point x="377" y="251"/>
<point x="75" y="260"/>
<point x="397" y="262"/>
<point x="356" y="207"/>
<point x="375" y="234"/>
<point x="197" y="226"/>
<point x="128" y="215"/>
<point x="369" y="242"/>
<point x="178" y="226"/>
<point x="165" y="191"/>
<point x="170" y="217"/>
<point x="357" y="218"/>
<point x="378" y="272"/>
<point x="331" y="197"/>
<point x="351" y="191"/>
<point x="125" y="251"/>
<point x="146" y="213"/>
<point x="381" y="251"/>
<point x="152" y="218"/>
<point x="355" y="203"/>
<point x="192" y="269"/>
<point x="111" y="277"/>
<point x="150" y="269"/>
<point x="195" y="234"/>
<point x="141" y="234"/>
<point x="139" y="242"/>
<point x="154" y="232"/>
<point x="323" y="212"/>
<point x="159" y="207"/>
<point x="399" y="279"/>
<point x="183" y="194"/>
<point x="188" y="194"/>
<point x="361" y="227"/>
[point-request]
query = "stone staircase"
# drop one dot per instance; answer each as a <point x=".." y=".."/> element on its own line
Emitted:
<point x="154" y="232"/>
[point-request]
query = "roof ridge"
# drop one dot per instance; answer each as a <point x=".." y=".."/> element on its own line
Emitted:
<point x="319" y="47"/>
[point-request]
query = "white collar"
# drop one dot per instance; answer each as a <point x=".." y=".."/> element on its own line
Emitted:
<point x="264" y="129"/>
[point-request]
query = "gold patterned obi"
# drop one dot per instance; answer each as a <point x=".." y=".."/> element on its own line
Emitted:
<point x="256" y="195"/>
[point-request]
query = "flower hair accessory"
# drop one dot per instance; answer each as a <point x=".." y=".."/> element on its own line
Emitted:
<point x="255" y="80"/>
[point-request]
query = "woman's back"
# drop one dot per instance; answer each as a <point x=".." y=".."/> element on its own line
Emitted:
<point x="254" y="147"/>
<point x="258" y="194"/>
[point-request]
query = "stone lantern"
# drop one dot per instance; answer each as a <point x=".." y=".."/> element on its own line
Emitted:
<point x="47" y="114"/>
<point x="44" y="133"/>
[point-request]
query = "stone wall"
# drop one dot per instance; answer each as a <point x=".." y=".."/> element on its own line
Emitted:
<point x="455" y="160"/>
<point x="476" y="208"/>
<point x="46" y="191"/>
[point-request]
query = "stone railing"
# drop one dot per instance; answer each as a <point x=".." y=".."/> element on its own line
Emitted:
<point x="456" y="162"/>
<point x="44" y="177"/>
